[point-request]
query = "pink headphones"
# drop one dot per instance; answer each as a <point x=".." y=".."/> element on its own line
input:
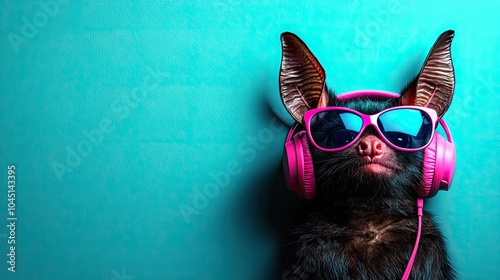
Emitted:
<point x="438" y="166"/>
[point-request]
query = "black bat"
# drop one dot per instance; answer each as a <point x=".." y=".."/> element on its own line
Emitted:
<point x="362" y="222"/>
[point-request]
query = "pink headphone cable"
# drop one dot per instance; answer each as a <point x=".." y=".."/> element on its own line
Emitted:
<point x="420" y="213"/>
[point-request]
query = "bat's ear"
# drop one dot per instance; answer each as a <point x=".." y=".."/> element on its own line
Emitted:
<point x="302" y="79"/>
<point x="434" y="85"/>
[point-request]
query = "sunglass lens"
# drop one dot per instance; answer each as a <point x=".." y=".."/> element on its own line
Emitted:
<point x="335" y="129"/>
<point x="406" y="128"/>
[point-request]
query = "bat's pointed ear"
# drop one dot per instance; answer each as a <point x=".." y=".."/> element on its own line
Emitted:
<point x="434" y="85"/>
<point x="302" y="79"/>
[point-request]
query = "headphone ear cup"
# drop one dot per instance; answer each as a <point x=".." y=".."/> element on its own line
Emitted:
<point x="298" y="167"/>
<point x="307" y="186"/>
<point x="438" y="165"/>
<point x="290" y="166"/>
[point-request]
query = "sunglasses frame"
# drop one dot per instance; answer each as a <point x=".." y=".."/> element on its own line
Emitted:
<point x="368" y="120"/>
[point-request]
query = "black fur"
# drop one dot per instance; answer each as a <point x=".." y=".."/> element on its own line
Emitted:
<point x="362" y="225"/>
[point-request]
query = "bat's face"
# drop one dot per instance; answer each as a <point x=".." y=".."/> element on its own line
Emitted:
<point x="371" y="165"/>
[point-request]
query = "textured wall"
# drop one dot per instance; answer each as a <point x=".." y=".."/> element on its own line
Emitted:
<point x="147" y="135"/>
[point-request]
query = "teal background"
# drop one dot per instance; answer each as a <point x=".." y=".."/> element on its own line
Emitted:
<point x="122" y="116"/>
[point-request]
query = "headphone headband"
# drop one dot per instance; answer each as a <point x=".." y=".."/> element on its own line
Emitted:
<point x="446" y="130"/>
<point x="370" y="93"/>
<point x="291" y="132"/>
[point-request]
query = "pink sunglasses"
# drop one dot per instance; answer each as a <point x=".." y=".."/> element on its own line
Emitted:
<point x="405" y="128"/>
